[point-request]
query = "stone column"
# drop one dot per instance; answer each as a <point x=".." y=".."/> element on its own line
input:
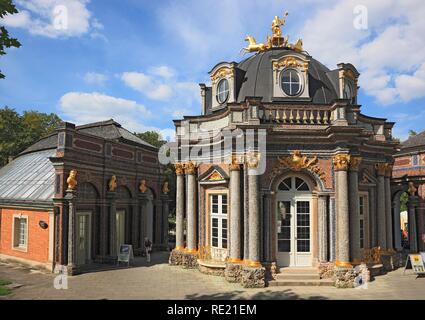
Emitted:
<point x="190" y="169"/>
<point x="421" y="225"/>
<point x="332" y="229"/>
<point x="235" y="213"/>
<point x="267" y="207"/>
<point x="323" y="228"/>
<point x="112" y="224"/>
<point x="413" y="240"/>
<point x="104" y="230"/>
<point x="388" y="211"/>
<point x="397" y="230"/>
<point x="72" y="231"/>
<point x="165" y="213"/>
<point x="135" y="226"/>
<point x="179" y="207"/>
<point x="354" y="208"/>
<point x="142" y="220"/>
<point x="245" y="214"/>
<point x="341" y="163"/>
<point x="372" y="217"/>
<point x="381" y="215"/>
<point x="254" y="211"/>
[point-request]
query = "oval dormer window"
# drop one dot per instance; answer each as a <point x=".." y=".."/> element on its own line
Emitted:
<point x="222" y="91"/>
<point x="291" y="82"/>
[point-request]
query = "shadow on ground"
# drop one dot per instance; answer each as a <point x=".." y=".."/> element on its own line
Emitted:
<point x="284" y="294"/>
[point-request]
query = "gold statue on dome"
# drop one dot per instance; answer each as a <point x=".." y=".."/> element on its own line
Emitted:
<point x="276" y="24"/>
<point x="253" y="46"/>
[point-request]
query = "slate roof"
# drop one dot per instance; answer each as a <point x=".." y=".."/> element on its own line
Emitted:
<point x="29" y="177"/>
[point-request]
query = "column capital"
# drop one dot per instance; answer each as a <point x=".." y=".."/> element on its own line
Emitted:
<point x="235" y="163"/>
<point x="190" y="167"/>
<point x="412" y="189"/>
<point x="389" y="170"/>
<point x="355" y="163"/>
<point x="252" y="159"/>
<point x="179" y="168"/>
<point x="341" y="162"/>
<point x="381" y="168"/>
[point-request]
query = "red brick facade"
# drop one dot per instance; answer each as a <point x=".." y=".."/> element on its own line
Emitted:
<point x="38" y="238"/>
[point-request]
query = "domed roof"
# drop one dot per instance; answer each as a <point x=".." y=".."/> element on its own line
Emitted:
<point x="258" y="78"/>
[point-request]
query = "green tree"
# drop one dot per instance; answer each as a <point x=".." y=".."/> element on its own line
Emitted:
<point x="6" y="7"/>
<point x="404" y="198"/>
<point x="152" y="137"/>
<point x="412" y="133"/>
<point x="19" y="132"/>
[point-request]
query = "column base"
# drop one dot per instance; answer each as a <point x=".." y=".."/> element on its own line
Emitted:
<point x="185" y="259"/>
<point x="72" y="270"/>
<point x="252" y="277"/>
<point x="233" y="271"/>
<point x="326" y="270"/>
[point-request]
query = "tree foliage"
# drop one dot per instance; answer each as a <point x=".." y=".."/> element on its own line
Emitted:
<point x="18" y="132"/>
<point x="152" y="137"/>
<point x="6" y="7"/>
<point x="412" y="133"/>
<point x="404" y="198"/>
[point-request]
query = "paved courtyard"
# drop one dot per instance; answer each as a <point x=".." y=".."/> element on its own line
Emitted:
<point x="158" y="280"/>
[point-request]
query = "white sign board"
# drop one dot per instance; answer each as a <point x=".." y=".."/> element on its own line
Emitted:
<point x="126" y="253"/>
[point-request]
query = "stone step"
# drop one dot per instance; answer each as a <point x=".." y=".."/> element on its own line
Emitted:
<point x="301" y="283"/>
<point x="297" y="276"/>
<point x="307" y="270"/>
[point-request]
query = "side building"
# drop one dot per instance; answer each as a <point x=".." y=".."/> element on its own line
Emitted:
<point x="74" y="197"/>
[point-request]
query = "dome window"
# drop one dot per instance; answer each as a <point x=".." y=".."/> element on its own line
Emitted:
<point x="291" y="82"/>
<point x="222" y="91"/>
<point x="347" y="91"/>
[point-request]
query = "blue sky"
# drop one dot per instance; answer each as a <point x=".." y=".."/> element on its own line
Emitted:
<point x="140" y="62"/>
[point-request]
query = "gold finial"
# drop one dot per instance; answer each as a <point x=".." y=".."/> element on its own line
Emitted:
<point x="112" y="184"/>
<point x="72" y="179"/>
<point x="142" y="186"/>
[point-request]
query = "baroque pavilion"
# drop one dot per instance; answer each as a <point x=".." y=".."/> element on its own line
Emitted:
<point x="310" y="186"/>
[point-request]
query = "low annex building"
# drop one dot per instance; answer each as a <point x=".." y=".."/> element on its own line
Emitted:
<point x="75" y="196"/>
<point x="304" y="180"/>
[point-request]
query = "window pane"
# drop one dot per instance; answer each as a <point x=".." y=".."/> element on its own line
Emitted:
<point x="222" y="91"/>
<point x="301" y="185"/>
<point x="290" y="82"/>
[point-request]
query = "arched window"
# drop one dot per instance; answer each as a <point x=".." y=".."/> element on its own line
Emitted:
<point x="291" y="82"/>
<point x="87" y="191"/>
<point x="222" y="91"/>
<point x="293" y="184"/>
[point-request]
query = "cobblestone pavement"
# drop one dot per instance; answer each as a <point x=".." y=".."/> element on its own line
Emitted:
<point x="158" y="280"/>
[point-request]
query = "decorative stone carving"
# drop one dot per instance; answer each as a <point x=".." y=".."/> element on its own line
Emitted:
<point x="253" y="159"/>
<point x="412" y="189"/>
<point x="190" y="167"/>
<point x="165" y="188"/>
<point x="215" y="176"/>
<point x="381" y="169"/>
<point x="72" y="179"/>
<point x="253" y="277"/>
<point x="298" y="162"/>
<point x="179" y="168"/>
<point x="389" y="170"/>
<point x="355" y="163"/>
<point x="112" y="185"/>
<point x="290" y="62"/>
<point x="142" y="186"/>
<point x="233" y="272"/>
<point x="221" y="73"/>
<point x="326" y="270"/>
<point x="235" y="163"/>
<point x="341" y="162"/>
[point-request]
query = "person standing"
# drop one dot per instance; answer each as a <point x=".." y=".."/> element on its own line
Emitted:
<point x="148" y="249"/>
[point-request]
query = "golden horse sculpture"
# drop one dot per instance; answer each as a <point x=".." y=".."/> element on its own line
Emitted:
<point x="254" y="46"/>
<point x="298" y="46"/>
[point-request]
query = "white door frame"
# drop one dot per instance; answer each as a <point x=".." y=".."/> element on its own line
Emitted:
<point x="294" y="258"/>
<point x="117" y="213"/>
<point x="88" y="214"/>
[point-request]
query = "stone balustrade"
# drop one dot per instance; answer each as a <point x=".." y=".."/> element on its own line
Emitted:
<point x="291" y="115"/>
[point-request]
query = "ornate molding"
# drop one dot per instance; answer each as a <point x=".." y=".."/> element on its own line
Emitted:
<point x="381" y="168"/>
<point x="252" y="159"/>
<point x="341" y="162"/>
<point x="290" y="62"/>
<point x="112" y="184"/>
<point x="221" y="73"/>
<point x="190" y="167"/>
<point x="355" y="163"/>
<point x="179" y="168"/>
<point x="72" y="179"/>
<point x="298" y="162"/>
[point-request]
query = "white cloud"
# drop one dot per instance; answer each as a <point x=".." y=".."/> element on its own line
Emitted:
<point x="146" y="85"/>
<point x="95" y="78"/>
<point x="389" y="54"/>
<point x="163" y="71"/>
<point x="54" y="18"/>
<point x="82" y="108"/>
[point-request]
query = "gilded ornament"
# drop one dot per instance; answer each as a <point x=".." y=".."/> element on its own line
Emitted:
<point x="190" y="167"/>
<point x="389" y="170"/>
<point x="165" y="188"/>
<point x="381" y="168"/>
<point x="72" y="179"/>
<point x="341" y="162"/>
<point x="355" y="163"/>
<point x="235" y="163"/>
<point x="412" y="189"/>
<point x="221" y="73"/>
<point x="299" y="162"/>
<point x="179" y="168"/>
<point x="253" y="160"/>
<point x="215" y="176"/>
<point x="112" y="185"/>
<point x="142" y="186"/>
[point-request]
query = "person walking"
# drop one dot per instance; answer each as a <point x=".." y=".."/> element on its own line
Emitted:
<point x="148" y="249"/>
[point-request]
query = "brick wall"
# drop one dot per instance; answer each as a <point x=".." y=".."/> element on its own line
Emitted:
<point x="38" y="238"/>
